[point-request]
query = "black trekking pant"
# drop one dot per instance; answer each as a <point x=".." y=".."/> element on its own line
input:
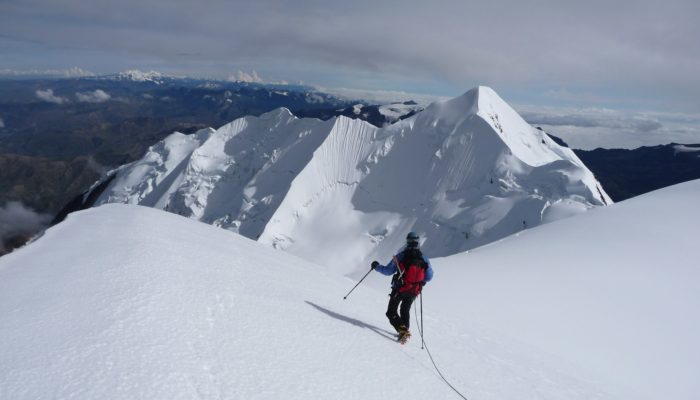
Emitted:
<point x="403" y="301"/>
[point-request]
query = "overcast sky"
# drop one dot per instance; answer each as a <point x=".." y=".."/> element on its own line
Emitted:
<point x="623" y="55"/>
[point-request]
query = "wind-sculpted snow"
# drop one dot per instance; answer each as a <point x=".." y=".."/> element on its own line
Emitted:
<point x="233" y="177"/>
<point x="450" y="173"/>
<point x="462" y="173"/>
<point x="151" y="180"/>
<point x="127" y="302"/>
<point x="614" y="291"/>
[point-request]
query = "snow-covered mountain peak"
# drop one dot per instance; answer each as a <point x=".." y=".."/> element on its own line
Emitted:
<point x="465" y="105"/>
<point x="462" y="172"/>
<point x="481" y="111"/>
<point x="485" y="97"/>
<point x="141" y="76"/>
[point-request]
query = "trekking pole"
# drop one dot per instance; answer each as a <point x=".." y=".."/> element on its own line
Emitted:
<point x="358" y="283"/>
<point x="422" y="329"/>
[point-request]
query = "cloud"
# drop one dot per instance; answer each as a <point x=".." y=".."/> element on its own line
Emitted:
<point x="98" y="96"/>
<point x="643" y="50"/>
<point x="74" y="72"/>
<point x="16" y="219"/>
<point x="315" y="98"/>
<point x="253" y="77"/>
<point x="47" y="95"/>
<point x="97" y="167"/>
<point x="640" y="43"/>
<point x="241" y="76"/>
<point x="589" y="128"/>
<point x="2" y="123"/>
<point x="592" y="118"/>
<point x="380" y="96"/>
<point x="564" y="94"/>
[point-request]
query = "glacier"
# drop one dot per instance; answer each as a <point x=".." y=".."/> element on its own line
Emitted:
<point x="462" y="173"/>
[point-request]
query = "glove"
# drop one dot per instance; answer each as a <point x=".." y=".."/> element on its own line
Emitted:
<point x="375" y="264"/>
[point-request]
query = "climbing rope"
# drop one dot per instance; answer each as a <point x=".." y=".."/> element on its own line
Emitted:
<point x="415" y="311"/>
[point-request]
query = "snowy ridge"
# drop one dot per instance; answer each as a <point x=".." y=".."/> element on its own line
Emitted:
<point x="151" y="305"/>
<point x="126" y="302"/>
<point x="233" y="177"/>
<point x="464" y="172"/>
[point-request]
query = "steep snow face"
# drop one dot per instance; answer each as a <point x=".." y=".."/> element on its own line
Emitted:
<point x="152" y="180"/>
<point x="614" y="291"/>
<point x="127" y="302"/>
<point x="233" y="177"/>
<point x="462" y="172"/>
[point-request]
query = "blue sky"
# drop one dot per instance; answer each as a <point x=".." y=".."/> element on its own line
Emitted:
<point x="631" y="56"/>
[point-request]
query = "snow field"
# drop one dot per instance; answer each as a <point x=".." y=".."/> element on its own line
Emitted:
<point x="128" y="302"/>
<point x="613" y="292"/>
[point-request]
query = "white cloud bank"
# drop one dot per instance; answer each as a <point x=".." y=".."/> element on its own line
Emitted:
<point x="47" y="95"/>
<point x="17" y="219"/>
<point x="589" y="128"/>
<point x="581" y="128"/>
<point x="380" y="96"/>
<point x="75" y="72"/>
<point x="98" y="96"/>
<point x="241" y="76"/>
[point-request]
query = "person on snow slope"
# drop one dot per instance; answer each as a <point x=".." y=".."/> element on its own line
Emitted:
<point x="411" y="270"/>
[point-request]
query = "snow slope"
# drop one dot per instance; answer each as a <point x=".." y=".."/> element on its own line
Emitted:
<point x="128" y="302"/>
<point x="125" y="302"/>
<point x="615" y="291"/>
<point x="463" y="172"/>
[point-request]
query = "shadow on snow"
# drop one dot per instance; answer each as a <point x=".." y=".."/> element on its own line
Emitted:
<point x="379" y="331"/>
